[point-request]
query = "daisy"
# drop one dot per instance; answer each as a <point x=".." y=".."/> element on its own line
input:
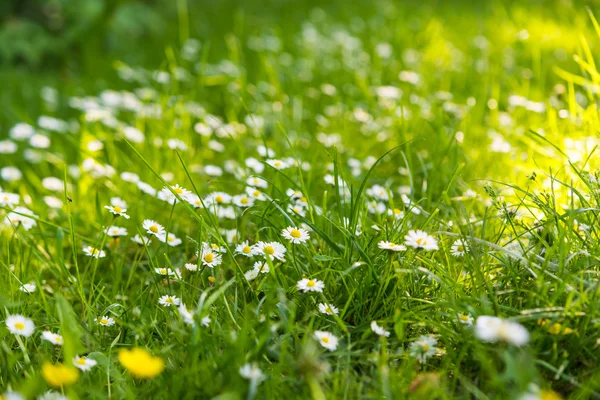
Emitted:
<point x="277" y="164"/>
<point x="255" y="181"/>
<point x="23" y="216"/>
<point x="244" y="249"/>
<point x="115" y="231"/>
<point x="459" y="248"/>
<point x="210" y="257"/>
<point x="423" y="347"/>
<point x="390" y="246"/>
<point x="205" y="321"/>
<point x="141" y="240"/>
<point x="327" y="340"/>
<point x="191" y="267"/>
<point x="19" y="325"/>
<point x="251" y="274"/>
<point x="53" y="338"/>
<point x="494" y="329"/>
<point x="270" y="249"/>
<point x="255" y="194"/>
<point x="378" y="192"/>
<point x="164" y="271"/>
<point x="465" y="319"/>
<point x="217" y="198"/>
<point x="153" y="227"/>
<point x="168" y="301"/>
<point x="105" y="321"/>
<point x="118" y="211"/>
<point x="396" y="213"/>
<point x="84" y="363"/>
<point x="170" y="239"/>
<point x="94" y="252"/>
<point x="14" y="396"/>
<point x="146" y="188"/>
<point x="261" y="267"/>
<point x="165" y="194"/>
<point x="295" y="235"/>
<point x="328" y="309"/>
<point x="187" y="314"/>
<point x="421" y="240"/>
<point x="243" y="201"/>
<point x="297" y="209"/>
<point x="310" y="285"/>
<point x="252" y="372"/>
<point x="195" y="201"/>
<point x="9" y="199"/>
<point x="28" y="288"/>
<point x="379" y="330"/>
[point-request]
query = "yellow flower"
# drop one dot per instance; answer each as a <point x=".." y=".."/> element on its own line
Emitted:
<point x="140" y="363"/>
<point x="59" y="375"/>
<point x="549" y="395"/>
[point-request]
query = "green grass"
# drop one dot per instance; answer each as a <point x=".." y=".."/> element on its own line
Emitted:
<point x="515" y="178"/>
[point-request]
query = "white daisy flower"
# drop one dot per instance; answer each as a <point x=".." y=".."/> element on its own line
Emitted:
<point x="115" y="231"/>
<point x="105" y="321"/>
<point x="53" y="338"/>
<point x="255" y="181"/>
<point x="187" y="315"/>
<point x="165" y="194"/>
<point x="243" y="201"/>
<point x="421" y="240"/>
<point x="391" y="246"/>
<point x="210" y="257"/>
<point x="251" y="274"/>
<point x="164" y="271"/>
<point x="379" y="330"/>
<point x="261" y="267"/>
<point x="170" y="239"/>
<point x="195" y="201"/>
<point x="459" y="248"/>
<point x="295" y="235"/>
<point x="191" y="267"/>
<point x="465" y="319"/>
<point x="84" y="363"/>
<point x="13" y="396"/>
<point x="252" y="372"/>
<point x="244" y="249"/>
<point x="205" y="321"/>
<point x="169" y="301"/>
<point x="310" y="285"/>
<point x="327" y="340"/>
<point x="494" y="329"/>
<point x="9" y="199"/>
<point x="21" y="215"/>
<point x="423" y="348"/>
<point x="270" y="249"/>
<point x="141" y="240"/>
<point x="117" y="210"/>
<point x="396" y="213"/>
<point x="94" y="252"/>
<point x="328" y="309"/>
<point x="153" y="227"/>
<point x="255" y="194"/>
<point x="277" y="164"/>
<point x="19" y="325"/>
<point x="28" y="288"/>
<point x="217" y="198"/>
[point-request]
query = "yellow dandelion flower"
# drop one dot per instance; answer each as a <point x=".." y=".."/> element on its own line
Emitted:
<point x="59" y="375"/>
<point x="140" y="363"/>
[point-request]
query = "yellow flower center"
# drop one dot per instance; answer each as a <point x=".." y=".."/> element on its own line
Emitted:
<point x="244" y="200"/>
<point x="256" y="193"/>
<point x="170" y="238"/>
<point x="311" y="283"/>
<point x="117" y="209"/>
<point x="154" y="228"/>
<point x="81" y="361"/>
<point x="295" y="233"/>
<point x="163" y="271"/>
<point x="328" y="309"/>
<point x="397" y="211"/>
<point x="214" y="246"/>
<point x="168" y="300"/>
<point x="177" y="190"/>
<point x="104" y="321"/>
<point x="219" y="199"/>
<point x="247" y="249"/>
<point x="269" y="250"/>
<point x="425" y="347"/>
<point x="463" y="318"/>
<point x="20" y="326"/>
<point x="421" y="241"/>
<point x="209" y="257"/>
<point x="277" y="164"/>
<point x="95" y="251"/>
<point x="325" y="339"/>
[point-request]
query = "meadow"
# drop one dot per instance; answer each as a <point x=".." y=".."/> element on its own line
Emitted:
<point x="315" y="200"/>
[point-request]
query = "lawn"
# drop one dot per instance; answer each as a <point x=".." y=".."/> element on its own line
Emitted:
<point x="299" y="199"/>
